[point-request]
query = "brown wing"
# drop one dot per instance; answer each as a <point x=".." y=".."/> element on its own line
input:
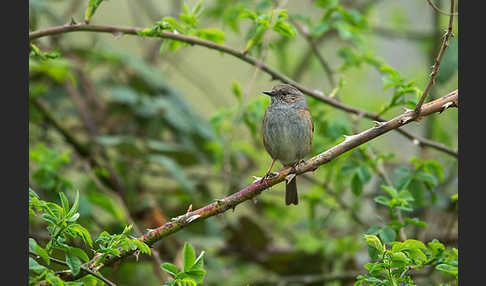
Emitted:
<point x="307" y="115"/>
<point x="267" y="147"/>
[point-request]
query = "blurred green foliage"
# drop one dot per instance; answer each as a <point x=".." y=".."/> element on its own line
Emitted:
<point x="125" y="134"/>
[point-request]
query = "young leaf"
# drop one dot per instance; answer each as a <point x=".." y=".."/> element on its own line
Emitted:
<point x="170" y="268"/>
<point x="74" y="208"/>
<point x="64" y="203"/>
<point x="188" y="256"/>
<point x="92" y="6"/>
<point x="373" y="241"/>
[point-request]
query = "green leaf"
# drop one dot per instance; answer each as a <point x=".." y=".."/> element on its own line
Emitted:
<point x="426" y="178"/>
<point x="399" y="259"/>
<point x="382" y="200"/>
<point x="92" y="6"/>
<point x="175" y="170"/>
<point x="74" y="208"/>
<point x="348" y="168"/>
<point x="35" y="266"/>
<point x="356" y="185"/>
<point x="170" y="268"/>
<point x="143" y="247"/>
<point x="319" y="29"/>
<point x="213" y="35"/>
<point x="73" y="262"/>
<point x="237" y="91"/>
<point x="82" y="232"/>
<point x="185" y="282"/>
<point x="374" y="241"/>
<point x="447" y="268"/>
<point x="196" y="274"/>
<point x="79" y="253"/>
<point x="188" y="256"/>
<point x="37" y="249"/>
<point x="283" y="29"/>
<point x="416" y="221"/>
<point x="387" y="234"/>
<point x="199" y="263"/>
<point x="64" y="203"/>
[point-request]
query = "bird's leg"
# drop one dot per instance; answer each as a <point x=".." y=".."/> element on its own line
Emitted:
<point x="268" y="172"/>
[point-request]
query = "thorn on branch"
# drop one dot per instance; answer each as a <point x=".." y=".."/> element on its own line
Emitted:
<point x="405" y="119"/>
<point x="378" y="124"/>
<point x="72" y="22"/>
<point x="190" y="219"/>
<point x="447" y="105"/>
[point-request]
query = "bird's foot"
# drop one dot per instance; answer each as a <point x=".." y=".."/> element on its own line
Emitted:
<point x="267" y="176"/>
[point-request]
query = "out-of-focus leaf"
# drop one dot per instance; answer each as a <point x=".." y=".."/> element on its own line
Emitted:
<point x="175" y="170"/>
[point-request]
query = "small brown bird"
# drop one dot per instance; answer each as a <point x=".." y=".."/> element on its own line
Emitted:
<point x="287" y="131"/>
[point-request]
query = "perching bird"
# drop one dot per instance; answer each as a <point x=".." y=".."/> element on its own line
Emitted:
<point x="287" y="131"/>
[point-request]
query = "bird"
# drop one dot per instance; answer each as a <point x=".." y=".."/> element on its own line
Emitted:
<point x="287" y="130"/>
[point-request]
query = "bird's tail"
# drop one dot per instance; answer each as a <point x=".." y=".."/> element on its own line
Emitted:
<point x="291" y="192"/>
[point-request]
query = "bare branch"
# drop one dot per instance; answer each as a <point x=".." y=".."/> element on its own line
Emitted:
<point x="435" y="67"/>
<point x="432" y="4"/>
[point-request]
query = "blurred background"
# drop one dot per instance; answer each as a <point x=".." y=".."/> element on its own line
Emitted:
<point x="143" y="133"/>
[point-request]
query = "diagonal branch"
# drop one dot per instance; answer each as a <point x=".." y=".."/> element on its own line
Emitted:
<point x="434" y="6"/>
<point x="438" y="60"/>
<point x="251" y="191"/>
<point x="75" y="27"/>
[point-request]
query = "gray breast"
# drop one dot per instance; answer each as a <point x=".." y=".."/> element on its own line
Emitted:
<point x="286" y="134"/>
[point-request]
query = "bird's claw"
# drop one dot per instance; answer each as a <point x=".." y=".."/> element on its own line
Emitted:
<point x="267" y="176"/>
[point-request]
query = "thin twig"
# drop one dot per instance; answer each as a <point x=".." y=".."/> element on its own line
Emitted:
<point x="312" y="44"/>
<point x="431" y="3"/>
<point x="211" y="45"/>
<point x="85" y="269"/>
<point x="435" y="67"/>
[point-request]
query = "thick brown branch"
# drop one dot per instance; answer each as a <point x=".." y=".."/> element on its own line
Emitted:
<point x="200" y="42"/>
<point x="230" y="202"/>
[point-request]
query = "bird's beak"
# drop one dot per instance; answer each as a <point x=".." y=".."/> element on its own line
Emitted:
<point x="270" y="93"/>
